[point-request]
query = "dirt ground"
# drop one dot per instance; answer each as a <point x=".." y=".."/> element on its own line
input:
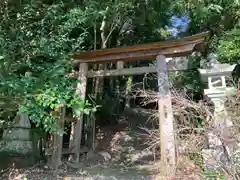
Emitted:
<point x="120" y="155"/>
<point x="96" y="172"/>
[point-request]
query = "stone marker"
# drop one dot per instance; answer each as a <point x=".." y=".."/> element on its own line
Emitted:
<point x="17" y="139"/>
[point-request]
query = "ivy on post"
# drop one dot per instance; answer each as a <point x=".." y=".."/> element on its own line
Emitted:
<point x="167" y="142"/>
<point x="81" y="92"/>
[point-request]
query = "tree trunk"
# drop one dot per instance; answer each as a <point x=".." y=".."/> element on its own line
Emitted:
<point x="100" y="80"/>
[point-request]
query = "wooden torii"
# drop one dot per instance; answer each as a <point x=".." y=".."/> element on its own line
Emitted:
<point x="154" y="51"/>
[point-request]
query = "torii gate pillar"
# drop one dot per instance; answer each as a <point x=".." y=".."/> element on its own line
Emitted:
<point x="166" y="126"/>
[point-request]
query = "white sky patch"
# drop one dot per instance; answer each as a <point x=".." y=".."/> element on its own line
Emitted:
<point x="168" y="59"/>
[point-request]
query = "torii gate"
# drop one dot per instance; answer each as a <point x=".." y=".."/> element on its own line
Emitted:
<point x="154" y="51"/>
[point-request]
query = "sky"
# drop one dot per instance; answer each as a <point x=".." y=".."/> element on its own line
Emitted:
<point x="179" y="24"/>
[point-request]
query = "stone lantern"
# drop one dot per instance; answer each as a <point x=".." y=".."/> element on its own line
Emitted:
<point x="215" y="75"/>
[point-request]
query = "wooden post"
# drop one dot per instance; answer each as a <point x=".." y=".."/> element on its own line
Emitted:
<point x="120" y="65"/>
<point x="81" y="91"/>
<point x="58" y="141"/>
<point x="71" y="140"/>
<point x="167" y="142"/>
<point x="128" y="91"/>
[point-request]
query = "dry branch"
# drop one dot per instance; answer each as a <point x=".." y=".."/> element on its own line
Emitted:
<point x="192" y="139"/>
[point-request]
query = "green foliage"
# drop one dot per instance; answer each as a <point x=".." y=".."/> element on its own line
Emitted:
<point x="47" y="94"/>
<point x="229" y="46"/>
<point x="217" y="16"/>
<point x="188" y="81"/>
<point x="40" y="38"/>
<point x="197" y="159"/>
<point x="213" y="175"/>
<point x="221" y="18"/>
<point x="40" y="108"/>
